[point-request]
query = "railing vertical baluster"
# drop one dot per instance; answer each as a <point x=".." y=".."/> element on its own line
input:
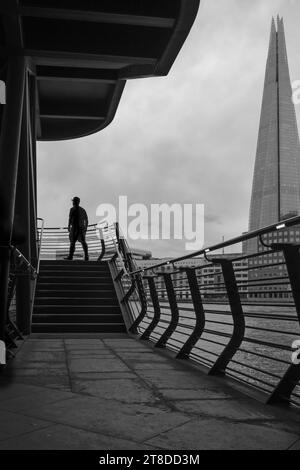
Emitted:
<point x="156" y="307"/>
<point x="161" y="343"/>
<point x="199" y="313"/>
<point x="238" y="333"/>
<point x="282" y="392"/>
<point x="142" y="295"/>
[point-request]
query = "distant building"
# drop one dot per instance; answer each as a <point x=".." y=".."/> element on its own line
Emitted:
<point x="276" y="180"/>
<point x="210" y="277"/>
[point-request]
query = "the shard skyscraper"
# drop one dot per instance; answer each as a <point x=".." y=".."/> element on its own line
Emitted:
<point x="276" y="181"/>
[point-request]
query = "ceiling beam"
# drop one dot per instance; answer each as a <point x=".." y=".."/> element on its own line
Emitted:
<point x="55" y="78"/>
<point x="72" y="116"/>
<point x="79" y="58"/>
<point x="76" y="74"/>
<point x="96" y="17"/>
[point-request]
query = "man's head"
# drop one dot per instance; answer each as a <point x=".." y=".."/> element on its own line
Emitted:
<point x="76" y="201"/>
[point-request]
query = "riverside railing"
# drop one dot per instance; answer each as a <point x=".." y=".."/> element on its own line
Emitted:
<point x="236" y="314"/>
<point x="56" y="243"/>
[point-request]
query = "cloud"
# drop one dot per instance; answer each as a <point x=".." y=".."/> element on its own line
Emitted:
<point x="189" y="137"/>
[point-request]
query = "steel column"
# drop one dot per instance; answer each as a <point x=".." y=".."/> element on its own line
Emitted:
<point x="23" y="288"/>
<point x="32" y="186"/>
<point x="9" y="154"/>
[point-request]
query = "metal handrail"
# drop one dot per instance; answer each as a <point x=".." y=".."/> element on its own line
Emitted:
<point x="219" y="344"/>
<point x="20" y="255"/>
<point x="233" y="241"/>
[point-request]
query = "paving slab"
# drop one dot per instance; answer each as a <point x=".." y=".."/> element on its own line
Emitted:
<point x="118" y="393"/>
<point x="15" y="424"/>
<point x="85" y="346"/>
<point x="43" y="345"/>
<point x="111" y="417"/>
<point x="195" y="393"/>
<point x="126" y="344"/>
<point x="41" y="398"/>
<point x="232" y="409"/>
<point x="59" y="437"/>
<point x="142" y="356"/>
<point x="123" y="390"/>
<point x="97" y="365"/>
<point x="37" y="365"/>
<point x="39" y="369"/>
<point x="177" y="378"/>
<point x="142" y="365"/>
<point x="41" y="356"/>
<point x="53" y="382"/>
<point x="90" y="353"/>
<point x="102" y="375"/>
<point x="13" y="389"/>
<point x="213" y="434"/>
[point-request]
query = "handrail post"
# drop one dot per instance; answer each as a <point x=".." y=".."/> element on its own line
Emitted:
<point x="237" y="313"/>
<point x="199" y="313"/>
<point x="102" y="244"/>
<point x="161" y="343"/>
<point x="156" y="307"/>
<point x="129" y="292"/>
<point x="142" y="295"/>
<point x="283" y="391"/>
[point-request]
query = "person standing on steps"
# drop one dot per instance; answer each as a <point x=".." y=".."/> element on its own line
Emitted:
<point x="77" y="226"/>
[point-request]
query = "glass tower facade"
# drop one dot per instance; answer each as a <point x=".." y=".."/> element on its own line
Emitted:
<point x="276" y="181"/>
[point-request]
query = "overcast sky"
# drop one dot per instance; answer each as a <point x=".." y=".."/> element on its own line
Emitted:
<point x="189" y="137"/>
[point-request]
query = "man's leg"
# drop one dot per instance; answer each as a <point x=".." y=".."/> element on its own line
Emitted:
<point x="72" y="249"/>
<point x="84" y="246"/>
<point x="73" y="239"/>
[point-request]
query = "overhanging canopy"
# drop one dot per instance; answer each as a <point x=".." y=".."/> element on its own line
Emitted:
<point x="82" y="53"/>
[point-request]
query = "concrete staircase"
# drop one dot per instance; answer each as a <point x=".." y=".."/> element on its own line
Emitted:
<point x="76" y="296"/>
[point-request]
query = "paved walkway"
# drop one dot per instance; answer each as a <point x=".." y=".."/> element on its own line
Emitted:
<point x="118" y="393"/>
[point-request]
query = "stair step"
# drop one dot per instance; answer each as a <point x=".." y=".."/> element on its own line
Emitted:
<point x="77" y="318"/>
<point x="83" y="267"/>
<point x="71" y="286"/>
<point x="79" y="273"/>
<point x="78" y="328"/>
<point x="75" y="293"/>
<point x="77" y="262"/>
<point x="73" y="279"/>
<point x="77" y="309"/>
<point x="40" y="301"/>
<point x="75" y="272"/>
<point x="76" y="297"/>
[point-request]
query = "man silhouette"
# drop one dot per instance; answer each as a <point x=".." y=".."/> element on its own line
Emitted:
<point x="77" y="226"/>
